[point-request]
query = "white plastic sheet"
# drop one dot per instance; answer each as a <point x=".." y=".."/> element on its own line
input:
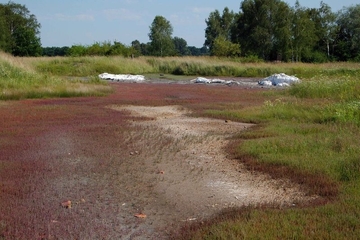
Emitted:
<point x="280" y="80"/>
<point x="122" y="77"/>
<point x="215" y="80"/>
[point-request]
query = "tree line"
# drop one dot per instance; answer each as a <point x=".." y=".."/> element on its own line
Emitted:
<point x="272" y="30"/>
<point x="269" y="30"/>
<point x="161" y="44"/>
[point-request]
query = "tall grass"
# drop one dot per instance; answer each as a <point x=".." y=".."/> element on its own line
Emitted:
<point x="194" y="66"/>
<point x="19" y="79"/>
<point x="212" y="66"/>
<point x="90" y="66"/>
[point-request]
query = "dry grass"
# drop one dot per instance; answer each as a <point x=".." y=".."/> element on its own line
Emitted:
<point x="19" y="79"/>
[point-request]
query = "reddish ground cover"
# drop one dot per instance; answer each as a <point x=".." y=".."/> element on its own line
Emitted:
<point x="54" y="151"/>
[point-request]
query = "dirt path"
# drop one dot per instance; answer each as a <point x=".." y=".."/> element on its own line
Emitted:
<point x="194" y="178"/>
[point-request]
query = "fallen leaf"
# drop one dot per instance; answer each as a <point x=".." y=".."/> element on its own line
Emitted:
<point x="66" y="204"/>
<point x="140" y="215"/>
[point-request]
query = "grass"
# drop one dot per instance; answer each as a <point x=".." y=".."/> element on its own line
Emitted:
<point x="184" y="66"/>
<point x="19" y="80"/>
<point x="308" y="133"/>
<point x="89" y="66"/>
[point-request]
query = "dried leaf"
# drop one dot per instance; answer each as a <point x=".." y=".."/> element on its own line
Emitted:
<point x="140" y="215"/>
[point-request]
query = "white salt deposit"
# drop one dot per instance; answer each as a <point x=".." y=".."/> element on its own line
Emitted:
<point x="122" y="77"/>
<point x="280" y="80"/>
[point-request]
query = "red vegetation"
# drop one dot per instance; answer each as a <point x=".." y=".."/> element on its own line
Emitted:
<point x="43" y="179"/>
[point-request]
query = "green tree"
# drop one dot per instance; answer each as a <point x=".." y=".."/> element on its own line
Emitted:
<point x="263" y="28"/>
<point x="96" y="49"/>
<point x="55" y="51"/>
<point x="22" y="30"/>
<point x="145" y="49"/>
<point x="325" y="28"/>
<point x="347" y="45"/>
<point x="4" y="31"/>
<point x="225" y="48"/>
<point x="120" y="49"/>
<point x="136" y="45"/>
<point x="26" y="43"/>
<point x="181" y="47"/>
<point x="77" y="50"/>
<point x="304" y="35"/>
<point x="219" y="25"/>
<point x="194" y="51"/>
<point x="161" y="37"/>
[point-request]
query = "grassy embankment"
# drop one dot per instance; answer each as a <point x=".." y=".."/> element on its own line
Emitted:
<point x="310" y="134"/>
<point x="20" y="80"/>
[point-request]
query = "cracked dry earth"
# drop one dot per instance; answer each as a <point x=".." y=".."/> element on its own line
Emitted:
<point x="130" y="172"/>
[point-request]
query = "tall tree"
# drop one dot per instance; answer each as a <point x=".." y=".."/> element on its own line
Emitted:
<point x="22" y="30"/>
<point x="161" y="37"/>
<point x="347" y="46"/>
<point x="219" y="26"/>
<point x="136" y="45"/>
<point x="325" y="27"/>
<point x="181" y="47"/>
<point x="213" y="29"/>
<point x="4" y="33"/>
<point x="26" y="43"/>
<point x="304" y="35"/>
<point x="263" y="28"/>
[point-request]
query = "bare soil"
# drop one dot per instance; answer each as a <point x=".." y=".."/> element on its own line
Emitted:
<point x="195" y="177"/>
<point x="100" y="168"/>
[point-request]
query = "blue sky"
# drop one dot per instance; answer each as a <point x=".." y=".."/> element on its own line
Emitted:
<point x="69" y="22"/>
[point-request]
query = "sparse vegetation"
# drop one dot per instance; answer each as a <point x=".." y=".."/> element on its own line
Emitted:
<point x="308" y="133"/>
